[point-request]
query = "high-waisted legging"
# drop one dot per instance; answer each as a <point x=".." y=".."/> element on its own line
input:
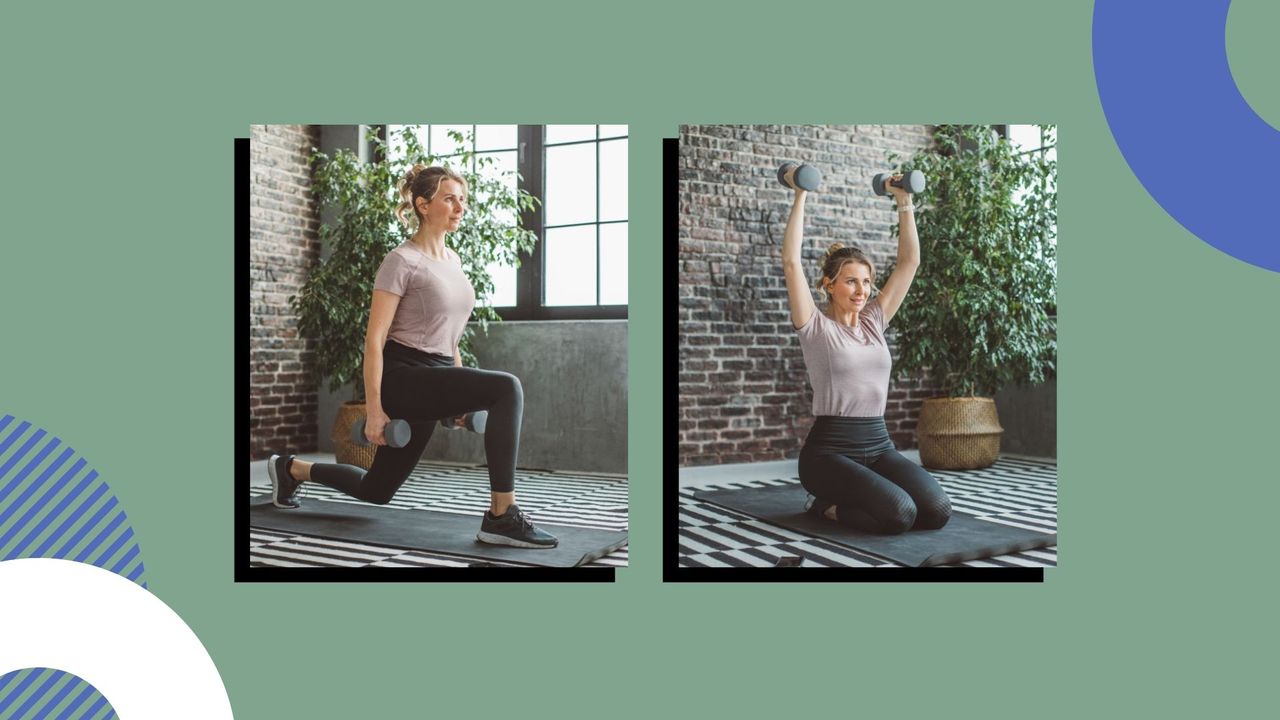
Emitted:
<point x="421" y="388"/>
<point x="851" y="463"/>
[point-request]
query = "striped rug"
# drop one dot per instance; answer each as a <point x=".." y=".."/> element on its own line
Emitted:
<point x="1015" y="491"/>
<point x="553" y="497"/>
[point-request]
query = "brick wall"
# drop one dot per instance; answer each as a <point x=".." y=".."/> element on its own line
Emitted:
<point x="744" y="394"/>
<point x="284" y="244"/>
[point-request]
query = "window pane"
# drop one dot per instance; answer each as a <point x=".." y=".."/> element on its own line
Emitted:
<point x="495" y="137"/>
<point x="613" y="180"/>
<point x="503" y="169"/>
<point x="442" y="144"/>
<point x="613" y="264"/>
<point x="570" y="266"/>
<point x="1024" y="137"/>
<point x="396" y="143"/>
<point x="504" y="285"/>
<point x="569" y="133"/>
<point x="571" y="184"/>
<point x="608" y="131"/>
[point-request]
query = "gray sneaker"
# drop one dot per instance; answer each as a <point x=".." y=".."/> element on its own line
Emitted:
<point x="514" y="528"/>
<point x="283" y="486"/>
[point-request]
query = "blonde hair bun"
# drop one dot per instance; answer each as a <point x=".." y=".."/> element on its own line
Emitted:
<point x="422" y="181"/>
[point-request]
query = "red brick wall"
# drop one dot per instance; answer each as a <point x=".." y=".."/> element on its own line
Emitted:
<point x="284" y="244"/>
<point x="744" y="395"/>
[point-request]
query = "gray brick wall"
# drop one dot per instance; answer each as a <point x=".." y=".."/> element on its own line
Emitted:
<point x="744" y="395"/>
<point x="284" y="244"/>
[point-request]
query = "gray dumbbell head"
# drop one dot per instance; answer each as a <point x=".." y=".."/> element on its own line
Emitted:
<point x="807" y="177"/>
<point x="782" y="173"/>
<point x="877" y="184"/>
<point x="477" y="421"/>
<point x="397" y="433"/>
<point x="914" y="182"/>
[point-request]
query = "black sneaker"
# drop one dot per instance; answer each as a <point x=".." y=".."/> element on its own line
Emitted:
<point x="283" y="486"/>
<point x="514" y="528"/>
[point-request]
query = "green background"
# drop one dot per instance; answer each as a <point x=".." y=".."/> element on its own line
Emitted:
<point x="118" y="281"/>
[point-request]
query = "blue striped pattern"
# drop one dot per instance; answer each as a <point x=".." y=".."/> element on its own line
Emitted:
<point x="53" y="505"/>
<point x="45" y="694"/>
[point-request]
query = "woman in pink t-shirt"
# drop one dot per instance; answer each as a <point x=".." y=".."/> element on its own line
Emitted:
<point x="413" y="370"/>
<point x="849" y="464"/>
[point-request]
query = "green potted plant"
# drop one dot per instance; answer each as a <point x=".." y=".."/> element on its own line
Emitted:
<point x="333" y="303"/>
<point x="981" y="311"/>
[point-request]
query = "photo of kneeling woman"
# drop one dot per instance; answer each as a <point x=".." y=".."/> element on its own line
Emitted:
<point x="859" y="306"/>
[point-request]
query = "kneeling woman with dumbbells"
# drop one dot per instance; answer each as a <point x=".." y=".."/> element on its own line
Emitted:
<point x="849" y="464"/>
<point x="413" y="370"/>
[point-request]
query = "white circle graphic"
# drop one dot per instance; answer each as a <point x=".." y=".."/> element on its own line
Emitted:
<point x="110" y="632"/>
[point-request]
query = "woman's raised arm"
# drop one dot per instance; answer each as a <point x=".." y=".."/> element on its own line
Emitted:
<point x="895" y="288"/>
<point x="798" y="296"/>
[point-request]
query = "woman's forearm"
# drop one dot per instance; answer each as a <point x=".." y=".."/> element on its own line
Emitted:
<point x="908" y="240"/>
<point x="373" y="376"/>
<point x="793" y="236"/>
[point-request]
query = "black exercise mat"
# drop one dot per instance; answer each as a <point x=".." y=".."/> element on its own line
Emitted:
<point x="429" y="531"/>
<point x="964" y="537"/>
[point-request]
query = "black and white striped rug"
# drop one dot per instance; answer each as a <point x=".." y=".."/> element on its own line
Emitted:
<point x="553" y="497"/>
<point x="1015" y="491"/>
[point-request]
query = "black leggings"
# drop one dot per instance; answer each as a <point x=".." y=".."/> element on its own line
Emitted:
<point x="851" y="463"/>
<point x="421" y="388"/>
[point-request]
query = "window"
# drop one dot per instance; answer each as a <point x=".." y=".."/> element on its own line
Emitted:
<point x="1033" y="139"/>
<point x="579" y="175"/>
<point x="1042" y="140"/>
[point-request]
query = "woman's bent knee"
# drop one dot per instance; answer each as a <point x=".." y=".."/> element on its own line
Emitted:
<point x="508" y="386"/>
<point x="902" y="520"/>
<point x="934" y="515"/>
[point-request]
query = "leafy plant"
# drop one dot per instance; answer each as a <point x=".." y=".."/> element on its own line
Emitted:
<point x="333" y="303"/>
<point x="979" y="314"/>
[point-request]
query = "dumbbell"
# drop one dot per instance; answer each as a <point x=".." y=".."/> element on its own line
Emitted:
<point x="475" y="421"/>
<point x="803" y="177"/>
<point x="912" y="182"/>
<point x="396" y="432"/>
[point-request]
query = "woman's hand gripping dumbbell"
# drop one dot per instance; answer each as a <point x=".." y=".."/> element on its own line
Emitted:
<point x="799" y="176"/>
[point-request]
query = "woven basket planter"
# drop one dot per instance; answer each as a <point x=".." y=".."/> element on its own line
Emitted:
<point x="958" y="433"/>
<point x="344" y="450"/>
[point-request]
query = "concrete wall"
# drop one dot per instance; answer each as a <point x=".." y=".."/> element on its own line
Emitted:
<point x="574" y="375"/>
<point x="1029" y="416"/>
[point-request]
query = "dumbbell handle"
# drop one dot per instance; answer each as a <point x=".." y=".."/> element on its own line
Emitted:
<point x="912" y="182"/>
<point x="473" y="421"/>
<point x="396" y="432"/>
<point x="799" y="176"/>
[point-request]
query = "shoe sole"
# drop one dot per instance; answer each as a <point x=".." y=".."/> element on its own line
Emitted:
<point x="493" y="539"/>
<point x="275" y="484"/>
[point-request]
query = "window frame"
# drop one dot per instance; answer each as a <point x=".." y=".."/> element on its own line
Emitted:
<point x="530" y="164"/>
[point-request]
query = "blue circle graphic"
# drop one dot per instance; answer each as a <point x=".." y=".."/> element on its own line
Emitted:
<point x="36" y="693"/>
<point x="1182" y="125"/>
<point x="54" y="505"/>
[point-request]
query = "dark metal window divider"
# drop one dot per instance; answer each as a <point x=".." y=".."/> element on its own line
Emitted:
<point x="530" y="164"/>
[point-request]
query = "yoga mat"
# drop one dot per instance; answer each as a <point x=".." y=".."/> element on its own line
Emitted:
<point x="963" y="538"/>
<point x="429" y="531"/>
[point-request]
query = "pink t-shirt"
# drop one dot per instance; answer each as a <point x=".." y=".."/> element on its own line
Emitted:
<point x="436" y="299"/>
<point x="848" y="365"/>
